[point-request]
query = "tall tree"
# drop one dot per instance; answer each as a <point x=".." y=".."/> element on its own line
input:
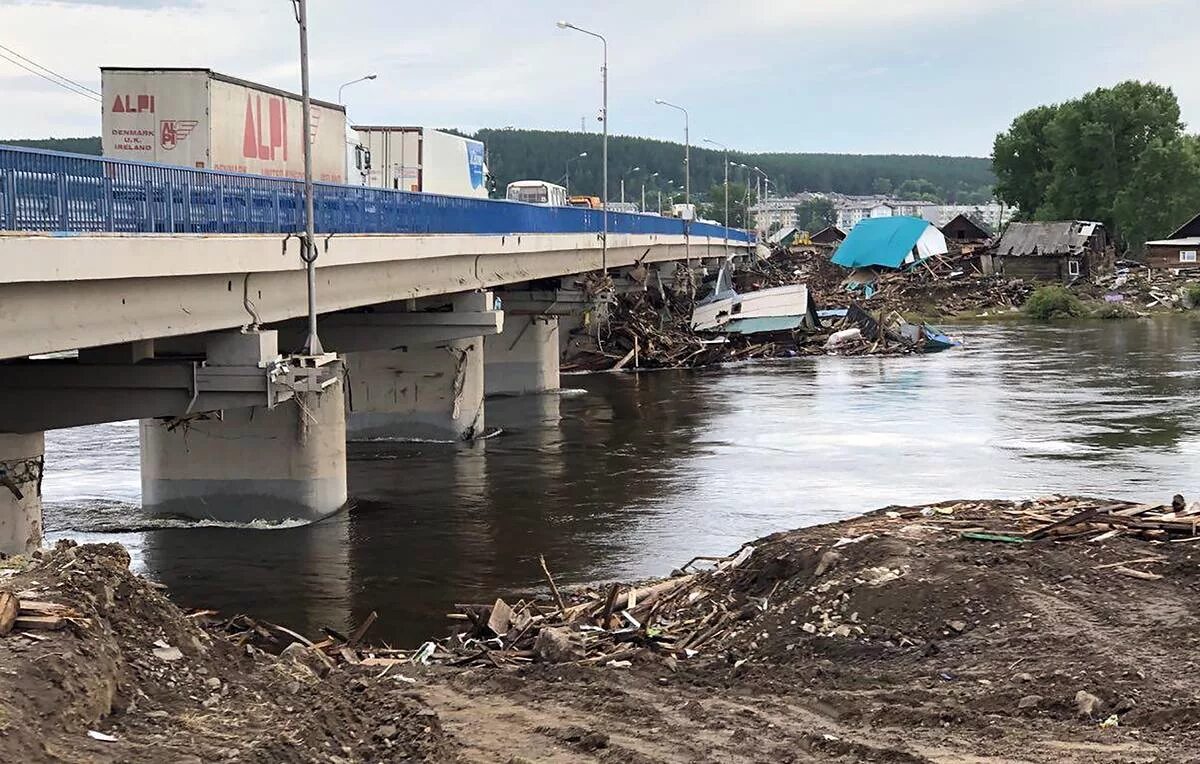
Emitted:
<point x="714" y="209"/>
<point x="1022" y="160"/>
<point x="1116" y="155"/>
<point x="815" y="215"/>
<point x="1141" y="211"/>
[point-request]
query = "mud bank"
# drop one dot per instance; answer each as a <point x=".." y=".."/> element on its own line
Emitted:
<point x="964" y="631"/>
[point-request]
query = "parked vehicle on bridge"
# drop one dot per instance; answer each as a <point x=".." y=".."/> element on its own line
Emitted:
<point x="422" y="160"/>
<point x="591" y="202"/>
<point x="537" y="192"/>
<point x="622" y="207"/>
<point x="201" y="119"/>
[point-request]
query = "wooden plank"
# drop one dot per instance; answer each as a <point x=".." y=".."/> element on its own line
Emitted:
<point x="500" y="619"/>
<point x="1078" y="517"/>
<point x="9" y="608"/>
<point x="43" y="622"/>
<point x="1141" y="574"/>
<point x="358" y="633"/>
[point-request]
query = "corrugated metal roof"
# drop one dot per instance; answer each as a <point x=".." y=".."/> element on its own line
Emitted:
<point x="880" y="241"/>
<point x="1060" y="237"/>
<point x="1190" y="241"/>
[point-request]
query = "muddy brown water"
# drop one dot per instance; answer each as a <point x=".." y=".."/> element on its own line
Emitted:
<point x="631" y="475"/>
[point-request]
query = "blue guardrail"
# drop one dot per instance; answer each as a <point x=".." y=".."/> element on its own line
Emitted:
<point x="53" y="191"/>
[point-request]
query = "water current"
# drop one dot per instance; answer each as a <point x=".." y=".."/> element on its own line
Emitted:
<point x="630" y="475"/>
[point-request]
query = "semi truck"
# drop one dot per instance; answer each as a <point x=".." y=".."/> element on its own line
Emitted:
<point x="202" y="119"/>
<point x="421" y="159"/>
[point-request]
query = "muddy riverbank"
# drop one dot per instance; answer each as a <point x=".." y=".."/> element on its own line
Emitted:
<point x="901" y="635"/>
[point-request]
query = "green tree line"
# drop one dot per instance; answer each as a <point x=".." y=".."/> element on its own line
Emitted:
<point x="1117" y="155"/>
<point x="543" y="155"/>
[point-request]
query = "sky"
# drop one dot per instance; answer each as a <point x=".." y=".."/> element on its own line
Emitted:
<point x="848" y="76"/>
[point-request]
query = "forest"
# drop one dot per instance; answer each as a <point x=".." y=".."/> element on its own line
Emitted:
<point x="545" y="155"/>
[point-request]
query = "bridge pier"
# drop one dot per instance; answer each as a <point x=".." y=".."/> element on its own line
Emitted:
<point x="427" y="391"/>
<point x="21" y="492"/>
<point x="524" y="358"/>
<point x="248" y="464"/>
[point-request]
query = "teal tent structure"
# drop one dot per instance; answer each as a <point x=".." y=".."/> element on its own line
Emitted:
<point x="890" y="242"/>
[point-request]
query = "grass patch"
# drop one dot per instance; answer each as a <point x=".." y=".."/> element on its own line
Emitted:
<point x="1050" y="302"/>
<point x="1191" y="294"/>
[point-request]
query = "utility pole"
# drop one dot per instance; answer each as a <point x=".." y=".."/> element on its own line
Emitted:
<point x="724" y="148"/>
<point x="308" y="249"/>
<point x="604" y="144"/>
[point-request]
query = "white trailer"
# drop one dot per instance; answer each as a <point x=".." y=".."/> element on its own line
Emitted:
<point x="199" y="118"/>
<point x="423" y="160"/>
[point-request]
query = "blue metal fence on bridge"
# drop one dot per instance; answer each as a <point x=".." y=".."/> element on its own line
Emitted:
<point x="56" y="192"/>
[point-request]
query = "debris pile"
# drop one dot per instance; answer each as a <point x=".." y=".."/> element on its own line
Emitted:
<point x="97" y="665"/>
<point x="839" y="587"/>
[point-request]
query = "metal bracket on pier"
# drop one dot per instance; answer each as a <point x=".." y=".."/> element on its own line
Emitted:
<point x="293" y="374"/>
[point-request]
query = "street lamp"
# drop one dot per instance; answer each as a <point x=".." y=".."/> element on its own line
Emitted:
<point x="604" y="144"/>
<point x="308" y="249"/>
<point x="569" y="161"/>
<point x="687" y="150"/>
<point x="351" y="82"/>
<point x="652" y="175"/>
<point x="635" y="169"/>
<point x="724" y="148"/>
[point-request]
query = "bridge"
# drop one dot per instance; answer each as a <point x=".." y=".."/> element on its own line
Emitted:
<point x="178" y="297"/>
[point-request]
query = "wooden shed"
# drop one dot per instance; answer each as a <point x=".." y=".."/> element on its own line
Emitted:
<point x="1063" y="250"/>
<point x="966" y="229"/>
<point x="828" y="236"/>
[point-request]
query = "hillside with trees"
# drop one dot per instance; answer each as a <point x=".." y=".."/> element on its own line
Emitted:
<point x="1117" y="155"/>
<point x="543" y="155"/>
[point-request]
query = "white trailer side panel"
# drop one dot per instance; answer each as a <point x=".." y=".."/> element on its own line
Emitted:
<point x="261" y="132"/>
<point x="194" y="118"/>
<point x="156" y="116"/>
<point x="451" y="164"/>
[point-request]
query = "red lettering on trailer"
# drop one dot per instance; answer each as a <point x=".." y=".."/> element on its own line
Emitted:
<point x="265" y="140"/>
<point x="133" y="104"/>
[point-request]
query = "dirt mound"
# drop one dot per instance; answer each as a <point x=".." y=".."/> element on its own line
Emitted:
<point x="1054" y="631"/>
<point x="129" y="677"/>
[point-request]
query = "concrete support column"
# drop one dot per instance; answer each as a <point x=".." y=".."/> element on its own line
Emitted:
<point x="21" y="492"/>
<point x="432" y="391"/>
<point x="249" y="464"/>
<point x="524" y="357"/>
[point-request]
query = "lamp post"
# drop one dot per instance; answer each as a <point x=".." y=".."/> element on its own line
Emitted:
<point x="652" y="175"/>
<point x="687" y="150"/>
<point x="569" y="161"/>
<point x="308" y="249"/>
<point x="345" y="85"/>
<point x="724" y="148"/>
<point x="604" y="143"/>
<point x="635" y="169"/>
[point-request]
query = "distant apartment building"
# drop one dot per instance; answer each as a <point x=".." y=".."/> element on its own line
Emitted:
<point x="783" y="212"/>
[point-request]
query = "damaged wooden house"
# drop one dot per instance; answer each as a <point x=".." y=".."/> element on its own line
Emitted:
<point x="1062" y="250"/>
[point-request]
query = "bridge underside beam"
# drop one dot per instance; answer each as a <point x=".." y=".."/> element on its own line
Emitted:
<point x="64" y="311"/>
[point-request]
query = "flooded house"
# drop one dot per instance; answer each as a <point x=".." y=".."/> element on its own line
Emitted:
<point x="830" y="236"/>
<point x="1061" y="250"/>
<point x="1177" y="251"/>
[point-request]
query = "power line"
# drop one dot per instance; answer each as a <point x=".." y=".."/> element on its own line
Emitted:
<point x="48" y="70"/>
<point x="52" y="76"/>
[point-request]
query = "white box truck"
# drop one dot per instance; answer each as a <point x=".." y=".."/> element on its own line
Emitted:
<point x="423" y="160"/>
<point x="199" y="118"/>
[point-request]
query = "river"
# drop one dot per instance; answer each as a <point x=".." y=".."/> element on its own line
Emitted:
<point x="630" y="475"/>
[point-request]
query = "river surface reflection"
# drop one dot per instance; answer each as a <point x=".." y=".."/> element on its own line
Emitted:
<point x="632" y="475"/>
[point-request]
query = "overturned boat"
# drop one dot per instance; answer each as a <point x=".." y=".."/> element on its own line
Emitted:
<point x="779" y="309"/>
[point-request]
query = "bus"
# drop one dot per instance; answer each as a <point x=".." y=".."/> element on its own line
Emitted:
<point x="537" y="192"/>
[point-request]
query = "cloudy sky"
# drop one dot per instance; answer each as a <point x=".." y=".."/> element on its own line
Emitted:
<point x="862" y="76"/>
